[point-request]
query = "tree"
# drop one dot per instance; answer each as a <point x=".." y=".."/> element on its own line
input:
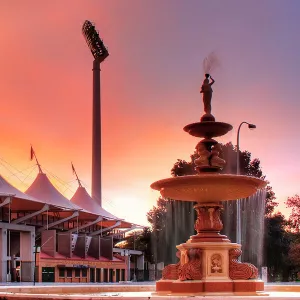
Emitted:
<point x="270" y="201"/>
<point x="277" y="245"/>
<point x="294" y="258"/>
<point x="294" y="218"/>
<point x="139" y="240"/>
<point x="294" y="255"/>
<point x="157" y="217"/>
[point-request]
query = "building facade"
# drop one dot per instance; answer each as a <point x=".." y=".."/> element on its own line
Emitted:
<point x="45" y="237"/>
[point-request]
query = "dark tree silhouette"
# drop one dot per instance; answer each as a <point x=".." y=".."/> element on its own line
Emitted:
<point x="294" y="219"/>
<point x="276" y="250"/>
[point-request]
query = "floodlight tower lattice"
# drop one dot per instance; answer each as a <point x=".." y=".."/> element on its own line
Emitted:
<point x="99" y="53"/>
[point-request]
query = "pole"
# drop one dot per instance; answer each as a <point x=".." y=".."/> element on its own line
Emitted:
<point x="134" y="274"/>
<point x="238" y="204"/>
<point x="238" y="150"/>
<point x="34" y="272"/>
<point x="9" y="246"/>
<point x="35" y="252"/>
<point x="127" y="259"/>
<point x="96" y="151"/>
<point x="77" y="178"/>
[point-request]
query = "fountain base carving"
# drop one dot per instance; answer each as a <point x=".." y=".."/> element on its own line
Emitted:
<point x="208" y="223"/>
<point x="209" y="268"/>
<point x="208" y="261"/>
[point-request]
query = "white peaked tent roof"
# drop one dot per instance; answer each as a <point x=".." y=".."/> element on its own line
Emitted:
<point x="20" y="201"/>
<point x="42" y="188"/>
<point x="84" y="200"/>
<point x="7" y="189"/>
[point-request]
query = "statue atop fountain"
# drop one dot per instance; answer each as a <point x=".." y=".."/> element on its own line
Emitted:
<point x="206" y="91"/>
<point x="208" y="261"/>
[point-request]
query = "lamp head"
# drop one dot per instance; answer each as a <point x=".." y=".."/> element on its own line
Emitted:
<point x="94" y="42"/>
<point x="251" y="126"/>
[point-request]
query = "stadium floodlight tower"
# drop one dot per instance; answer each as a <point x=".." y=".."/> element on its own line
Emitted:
<point x="99" y="53"/>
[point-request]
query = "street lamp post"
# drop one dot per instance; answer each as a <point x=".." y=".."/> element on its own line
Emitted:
<point x="36" y="250"/>
<point x="238" y="205"/>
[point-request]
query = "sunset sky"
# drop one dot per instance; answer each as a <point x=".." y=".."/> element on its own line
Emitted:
<point x="150" y="90"/>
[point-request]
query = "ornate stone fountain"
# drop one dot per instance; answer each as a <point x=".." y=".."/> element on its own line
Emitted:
<point x="208" y="261"/>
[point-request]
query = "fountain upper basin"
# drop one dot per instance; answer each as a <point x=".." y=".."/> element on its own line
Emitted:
<point x="207" y="129"/>
<point x="208" y="187"/>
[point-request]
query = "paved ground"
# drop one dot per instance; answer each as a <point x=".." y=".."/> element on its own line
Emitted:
<point x="150" y="296"/>
<point x="111" y="283"/>
<point x="62" y="283"/>
<point x="286" y="290"/>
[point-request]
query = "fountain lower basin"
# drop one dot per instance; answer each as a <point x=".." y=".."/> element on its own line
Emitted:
<point x="208" y="187"/>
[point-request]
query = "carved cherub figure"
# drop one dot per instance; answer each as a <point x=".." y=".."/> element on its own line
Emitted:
<point x="216" y="263"/>
<point x="215" y="160"/>
<point x="204" y="155"/>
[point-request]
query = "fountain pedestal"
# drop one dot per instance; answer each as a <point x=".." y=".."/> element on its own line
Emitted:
<point x="208" y="224"/>
<point x="208" y="261"/>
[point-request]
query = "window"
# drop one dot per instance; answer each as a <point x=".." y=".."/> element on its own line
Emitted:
<point x="84" y="272"/>
<point x="69" y="272"/>
<point x="62" y="272"/>
<point x="77" y="272"/>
